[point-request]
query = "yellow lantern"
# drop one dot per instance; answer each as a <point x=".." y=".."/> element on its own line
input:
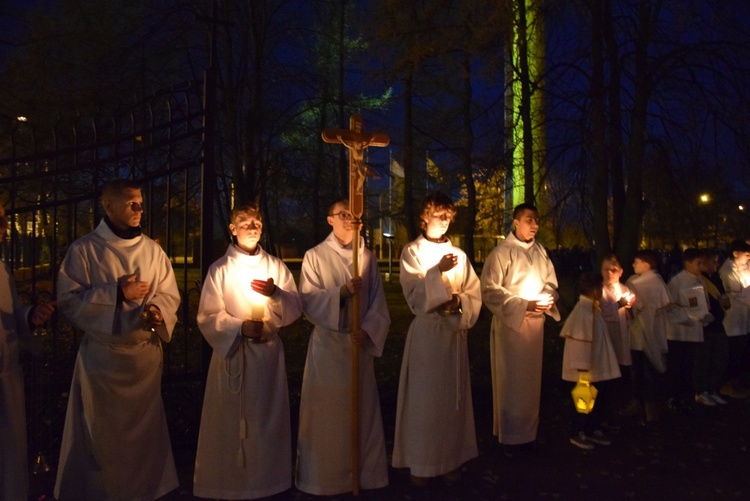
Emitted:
<point x="584" y="393"/>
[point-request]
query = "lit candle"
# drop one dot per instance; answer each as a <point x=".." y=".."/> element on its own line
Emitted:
<point x="544" y="299"/>
<point x="626" y="299"/>
<point x="257" y="306"/>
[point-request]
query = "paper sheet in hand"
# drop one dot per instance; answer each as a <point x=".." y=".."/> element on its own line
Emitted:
<point x="695" y="300"/>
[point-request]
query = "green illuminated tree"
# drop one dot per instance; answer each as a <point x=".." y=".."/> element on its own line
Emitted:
<point x="524" y="121"/>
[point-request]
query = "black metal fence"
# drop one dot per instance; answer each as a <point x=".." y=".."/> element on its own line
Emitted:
<point x="49" y="184"/>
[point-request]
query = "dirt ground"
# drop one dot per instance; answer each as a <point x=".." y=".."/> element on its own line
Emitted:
<point x="700" y="455"/>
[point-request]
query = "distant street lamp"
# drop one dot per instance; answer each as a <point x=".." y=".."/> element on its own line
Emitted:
<point x="389" y="237"/>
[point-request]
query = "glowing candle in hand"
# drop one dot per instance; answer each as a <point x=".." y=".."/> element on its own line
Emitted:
<point x="257" y="306"/>
<point x="545" y="299"/>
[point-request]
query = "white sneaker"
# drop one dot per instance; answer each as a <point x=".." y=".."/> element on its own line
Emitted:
<point x="705" y="399"/>
<point x="717" y="398"/>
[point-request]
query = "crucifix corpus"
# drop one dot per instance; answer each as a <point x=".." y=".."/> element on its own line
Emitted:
<point x="355" y="141"/>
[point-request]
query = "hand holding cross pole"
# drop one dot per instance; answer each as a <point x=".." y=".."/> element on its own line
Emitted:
<point x="355" y="141"/>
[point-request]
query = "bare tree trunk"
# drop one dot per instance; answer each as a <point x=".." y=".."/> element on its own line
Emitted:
<point x="467" y="153"/>
<point x="343" y="119"/>
<point x="510" y="143"/>
<point x="599" y="188"/>
<point x="254" y="154"/>
<point x="614" y="140"/>
<point x="410" y="215"/>
<point x="229" y="100"/>
<point x="627" y="243"/>
<point x="318" y="206"/>
<point x="525" y="106"/>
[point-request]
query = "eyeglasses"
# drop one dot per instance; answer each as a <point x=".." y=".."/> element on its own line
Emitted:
<point x="343" y="215"/>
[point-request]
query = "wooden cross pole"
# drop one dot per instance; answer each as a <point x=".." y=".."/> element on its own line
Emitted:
<point x="355" y="141"/>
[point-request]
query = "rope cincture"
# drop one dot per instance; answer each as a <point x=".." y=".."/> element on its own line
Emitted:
<point x="240" y="375"/>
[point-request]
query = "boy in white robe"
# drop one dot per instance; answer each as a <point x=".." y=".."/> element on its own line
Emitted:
<point x="434" y="414"/>
<point x="117" y="286"/>
<point x="648" y="337"/>
<point x="616" y="302"/>
<point x="244" y="444"/>
<point x="711" y="355"/>
<point x="615" y="305"/>
<point x="735" y="275"/>
<point x="685" y="330"/>
<point x="14" y="326"/>
<point x="589" y="354"/>
<point x="324" y="465"/>
<point x="519" y="286"/>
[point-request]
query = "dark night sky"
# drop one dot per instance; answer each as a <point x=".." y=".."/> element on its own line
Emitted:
<point x="11" y="31"/>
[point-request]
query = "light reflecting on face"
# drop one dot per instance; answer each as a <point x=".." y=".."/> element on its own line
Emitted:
<point x="437" y="223"/>
<point x="611" y="272"/>
<point x="342" y="228"/>
<point x="741" y="258"/>
<point x="125" y="209"/>
<point x="247" y="227"/>
<point x="526" y="225"/>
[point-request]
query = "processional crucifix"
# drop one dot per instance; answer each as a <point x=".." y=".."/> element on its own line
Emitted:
<point x="355" y="141"/>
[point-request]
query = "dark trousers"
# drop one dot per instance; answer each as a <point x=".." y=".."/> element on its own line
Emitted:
<point x="647" y="381"/>
<point x="710" y="361"/>
<point x="622" y="388"/>
<point x="601" y="412"/>
<point x="680" y="369"/>
<point x="737" y="350"/>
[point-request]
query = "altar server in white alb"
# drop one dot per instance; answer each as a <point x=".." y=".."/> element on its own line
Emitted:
<point x="326" y="287"/>
<point x="648" y="337"/>
<point x="735" y="276"/>
<point x="689" y="313"/>
<point x="589" y="356"/>
<point x="118" y="287"/>
<point x="519" y="286"/>
<point x="244" y="445"/>
<point x="14" y="326"/>
<point x="616" y="302"/>
<point x="434" y="415"/>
